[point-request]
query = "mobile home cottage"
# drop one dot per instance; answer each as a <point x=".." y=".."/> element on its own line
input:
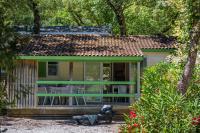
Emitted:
<point x="60" y="74"/>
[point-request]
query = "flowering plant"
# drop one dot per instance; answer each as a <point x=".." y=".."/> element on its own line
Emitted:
<point x="164" y="109"/>
<point x="196" y="123"/>
<point x="133" y="123"/>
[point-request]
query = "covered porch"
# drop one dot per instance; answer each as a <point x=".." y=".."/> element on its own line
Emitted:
<point x="63" y="82"/>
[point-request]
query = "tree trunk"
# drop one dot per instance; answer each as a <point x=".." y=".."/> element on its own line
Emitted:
<point x="191" y="60"/>
<point x="122" y="23"/>
<point x="34" y="7"/>
<point x="0" y="74"/>
<point x="119" y="12"/>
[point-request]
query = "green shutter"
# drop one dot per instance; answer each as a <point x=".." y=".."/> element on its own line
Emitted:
<point x="41" y="69"/>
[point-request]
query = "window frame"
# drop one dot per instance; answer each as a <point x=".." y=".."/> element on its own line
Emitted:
<point x="47" y="69"/>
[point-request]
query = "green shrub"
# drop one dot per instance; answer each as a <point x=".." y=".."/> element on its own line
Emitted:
<point x="3" y="99"/>
<point x="161" y="108"/>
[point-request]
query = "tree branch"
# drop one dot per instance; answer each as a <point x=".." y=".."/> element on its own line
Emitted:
<point x="191" y="60"/>
<point x="34" y="7"/>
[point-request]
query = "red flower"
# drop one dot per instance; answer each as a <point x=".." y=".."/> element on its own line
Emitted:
<point x="136" y="125"/>
<point x="196" y="121"/>
<point x="132" y="114"/>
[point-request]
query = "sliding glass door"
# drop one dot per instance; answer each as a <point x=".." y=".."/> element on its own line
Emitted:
<point x="93" y="73"/>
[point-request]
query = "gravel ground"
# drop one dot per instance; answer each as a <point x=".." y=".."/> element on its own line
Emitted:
<point x="24" y="125"/>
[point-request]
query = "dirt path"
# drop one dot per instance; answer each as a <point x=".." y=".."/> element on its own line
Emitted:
<point x="22" y="125"/>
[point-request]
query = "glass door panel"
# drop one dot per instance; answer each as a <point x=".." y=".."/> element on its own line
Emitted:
<point x="107" y="76"/>
<point x="107" y="71"/>
<point x="93" y="89"/>
<point x="92" y="73"/>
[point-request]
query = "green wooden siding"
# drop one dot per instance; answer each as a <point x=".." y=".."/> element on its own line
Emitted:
<point x="41" y="69"/>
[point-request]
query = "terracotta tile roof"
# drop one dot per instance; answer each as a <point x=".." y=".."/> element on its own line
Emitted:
<point x="154" y="42"/>
<point x="90" y="45"/>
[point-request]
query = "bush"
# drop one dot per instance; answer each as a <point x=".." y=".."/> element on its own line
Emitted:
<point x="3" y="99"/>
<point x="161" y="108"/>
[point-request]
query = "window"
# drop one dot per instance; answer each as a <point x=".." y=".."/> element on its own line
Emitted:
<point x="52" y="68"/>
<point x="107" y="71"/>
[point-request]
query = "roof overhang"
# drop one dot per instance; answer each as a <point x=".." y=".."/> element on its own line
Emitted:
<point x="83" y="58"/>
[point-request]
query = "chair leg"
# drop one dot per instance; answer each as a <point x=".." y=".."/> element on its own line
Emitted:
<point x="44" y="100"/>
<point x="52" y="101"/>
<point x="84" y="101"/>
<point x="76" y="101"/>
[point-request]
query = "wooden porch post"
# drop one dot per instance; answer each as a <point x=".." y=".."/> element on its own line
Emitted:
<point x="131" y="85"/>
<point x="138" y="79"/>
<point x="71" y="78"/>
<point x="36" y="85"/>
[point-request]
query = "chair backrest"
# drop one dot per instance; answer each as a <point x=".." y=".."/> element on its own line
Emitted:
<point x="54" y="90"/>
<point x="42" y="89"/>
<point x="79" y="89"/>
<point x="122" y="89"/>
<point x="66" y="89"/>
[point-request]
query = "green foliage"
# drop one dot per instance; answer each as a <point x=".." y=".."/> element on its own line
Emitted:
<point x="161" y="108"/>
<point x="139" y="21"/>
<point x="3" y="99"/>
<point x="7" y="39"/>
<point x="142" y="17"/>
<point x="7" y="45"/>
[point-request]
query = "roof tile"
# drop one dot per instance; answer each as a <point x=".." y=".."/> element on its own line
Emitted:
<point x="90" y="45"/>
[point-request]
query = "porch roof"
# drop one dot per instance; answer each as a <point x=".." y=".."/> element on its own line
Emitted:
<point x="91" y="45"/>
